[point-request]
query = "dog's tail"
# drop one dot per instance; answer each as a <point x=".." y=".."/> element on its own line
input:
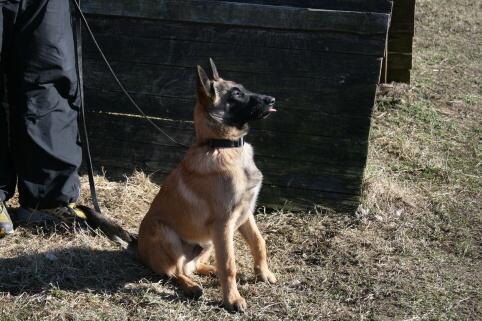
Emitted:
<point x="111" y="229"/>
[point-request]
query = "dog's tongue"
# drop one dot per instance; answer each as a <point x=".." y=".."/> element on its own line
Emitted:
<point x="272" y="110"/>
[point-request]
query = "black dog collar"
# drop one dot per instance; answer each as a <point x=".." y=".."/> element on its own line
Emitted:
<point x="225" y="143"/>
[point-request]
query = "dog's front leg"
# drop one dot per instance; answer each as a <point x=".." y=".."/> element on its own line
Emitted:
<point x="250" y="232"/>
<point x="223" y="240"/>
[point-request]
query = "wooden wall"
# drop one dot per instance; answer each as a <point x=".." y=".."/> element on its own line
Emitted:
<point x="322" y="65"/>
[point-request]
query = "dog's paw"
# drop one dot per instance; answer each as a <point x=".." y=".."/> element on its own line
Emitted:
<point x="264" y="276"/>
<point x="189" y="287"/>
<point x="205" y="269"/>
<point x="237" y="305"/>
<point x="194" y="291"/>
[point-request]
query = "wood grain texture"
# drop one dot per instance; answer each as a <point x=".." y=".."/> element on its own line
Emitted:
<point x="289" y="119"/>
<point x="382" y="6"/>
<point x="334" y="41"/>
<point x="244" y="14"/>
<point x="334" y="93"/>
<point x="349" y="152"/>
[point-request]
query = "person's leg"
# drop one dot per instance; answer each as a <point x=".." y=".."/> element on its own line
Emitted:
<point x="7" y="171"/>
<point x="43" y="93"/>
<point x="8" y="177"/>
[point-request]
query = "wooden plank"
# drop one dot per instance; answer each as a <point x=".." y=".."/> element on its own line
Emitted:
<point x="406" y="28"/>
<point x="383" y="6"/>
<point x="330" y="74"/>
<point x="326" y="150"/>
<point x="399" y="61"/>
<point x="329" y="100"/>
<point x="104" y="28"/>
<point x="127" y="156"/>
<point x="400" y="39"/>
<point x="300" y="93"/>
<point x="283" y="62"/>
<point x="403" y="11"/>
<point x="310" y="175"/>
<point x="287" y="119"/>
<point x="305" y="200"/>
<point x="349" y="152"/>
<point x="400" y="42"/>
<point x="248" y="15"/>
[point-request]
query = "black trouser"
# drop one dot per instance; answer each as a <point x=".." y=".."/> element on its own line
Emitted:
<point x="38" y="62"/>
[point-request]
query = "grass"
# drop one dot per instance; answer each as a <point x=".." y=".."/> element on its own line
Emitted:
<point x="412" y="252"/>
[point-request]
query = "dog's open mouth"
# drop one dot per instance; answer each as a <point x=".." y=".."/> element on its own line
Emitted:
<point x="268" y="112"/>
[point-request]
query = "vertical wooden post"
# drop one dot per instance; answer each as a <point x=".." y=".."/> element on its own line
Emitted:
<point x="400" y="40"/>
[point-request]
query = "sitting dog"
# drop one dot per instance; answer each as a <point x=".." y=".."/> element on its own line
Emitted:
<point x="210" y="195"/>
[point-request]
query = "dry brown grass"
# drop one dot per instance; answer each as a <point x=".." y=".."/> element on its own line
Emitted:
<point x="411" y="252"/>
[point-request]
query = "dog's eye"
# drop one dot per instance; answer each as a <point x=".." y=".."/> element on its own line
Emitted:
<point x="237" y="94"/>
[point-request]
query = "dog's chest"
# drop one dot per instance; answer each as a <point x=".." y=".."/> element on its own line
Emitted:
<point x="252" y="175"/>
<point x="247" y="181"/>
<point x="227" y="177"/>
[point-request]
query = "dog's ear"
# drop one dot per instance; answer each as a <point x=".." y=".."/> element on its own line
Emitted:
<point x="214" y="69"/>
<point x="204" y="84"/>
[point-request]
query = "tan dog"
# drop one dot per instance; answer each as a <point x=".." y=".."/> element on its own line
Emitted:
<point x="210" y="195"/>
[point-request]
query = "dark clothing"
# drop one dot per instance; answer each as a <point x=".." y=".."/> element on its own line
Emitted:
<point x="38" y="62"/>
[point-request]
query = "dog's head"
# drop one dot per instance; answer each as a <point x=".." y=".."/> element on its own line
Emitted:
<point x="227" y="103"/>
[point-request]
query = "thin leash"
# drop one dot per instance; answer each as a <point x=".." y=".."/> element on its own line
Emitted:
<point x="90" y="170"/>
<point x="84" y="20"/>
<point x="81" y="85"/>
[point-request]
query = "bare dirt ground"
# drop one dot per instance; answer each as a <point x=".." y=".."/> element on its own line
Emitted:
<point x="411" y="252"/>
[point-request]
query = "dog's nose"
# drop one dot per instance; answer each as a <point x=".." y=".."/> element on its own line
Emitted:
<point x="269" y="100"/>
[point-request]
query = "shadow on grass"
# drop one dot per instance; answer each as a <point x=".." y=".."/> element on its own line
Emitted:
<point x="69" y="269"/>
<point x="84" y="269"/>
<point x="81" y="269"/>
